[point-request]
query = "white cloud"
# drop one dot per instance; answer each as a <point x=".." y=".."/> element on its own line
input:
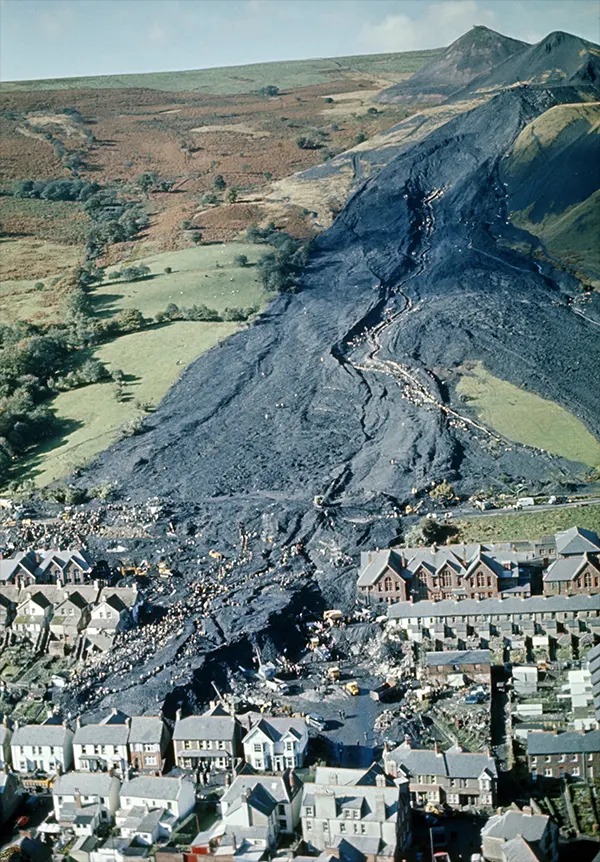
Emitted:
<point x="439" y="24"/>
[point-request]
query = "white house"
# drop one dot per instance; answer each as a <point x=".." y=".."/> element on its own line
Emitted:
<point x="46" y="747"/>
<point x="102" y="746"/>
<point x="82" y="801"/>
<point x="356" y="811"/>
<point x="33" y="614"/>
<point x="175" y="795"/>
<point x="255" y="810"/>
<point x="275" y="744"/>
<point x="110" y="616"/>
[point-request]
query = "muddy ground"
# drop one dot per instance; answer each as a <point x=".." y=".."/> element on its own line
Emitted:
<point x="338" y="393"/>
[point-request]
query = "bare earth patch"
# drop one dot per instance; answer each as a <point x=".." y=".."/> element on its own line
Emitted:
<point x="235" y="128"/>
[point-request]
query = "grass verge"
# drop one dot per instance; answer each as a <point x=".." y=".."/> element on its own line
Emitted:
<point x="527" y="525"/>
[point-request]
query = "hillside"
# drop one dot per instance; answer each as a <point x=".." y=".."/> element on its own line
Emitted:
<point x="559" y="58"/>
<point x="563" y="142"/>
<point x="471" y="55"/>
<point x="236" y="80"/>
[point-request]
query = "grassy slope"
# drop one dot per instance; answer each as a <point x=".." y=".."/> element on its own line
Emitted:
<point x="527" y="525"/>
<point x="569" y="232"/>
<point x="202" y="274"/>
<point x="526" y="418"/>
<point x="153" y="359"/>
<point x="243" y="79"/>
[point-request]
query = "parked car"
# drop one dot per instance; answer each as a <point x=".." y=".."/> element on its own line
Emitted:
<point x="316" y="721"/>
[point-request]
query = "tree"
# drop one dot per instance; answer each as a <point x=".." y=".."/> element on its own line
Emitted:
<point x="232" y="195"/>
<point x="147" y="181"/>
<point x="130" y="320"/>
<point x="196" y="237"/>
<point x="309" y="142"/>
<point x="168" y="270"/>
<point x="360" y="138"/>
<point x="219" y="183"/>
<point x="134" y="272"/>
<point x="241" y="260"/>
<point x="268" y="91"/>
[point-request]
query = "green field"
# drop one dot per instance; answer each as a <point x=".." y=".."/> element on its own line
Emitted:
<point x="153" y="359"/>
<point x="526" y="418"/>
<point x="202" y="274"/>
<point x="231" y="80"/>
<point x="526" y="525"/>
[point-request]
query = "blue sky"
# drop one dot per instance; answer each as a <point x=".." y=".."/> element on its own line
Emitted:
<point x="61" y="38"/>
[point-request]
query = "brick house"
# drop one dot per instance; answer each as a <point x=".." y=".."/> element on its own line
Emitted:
<point x="148" y="743"/>
<point x="578" y="574"/>
<point x="564" y="755"/>
<point x="382" y="577"/>
<point x="437" y="573"/>
<point x="475" y="664"/>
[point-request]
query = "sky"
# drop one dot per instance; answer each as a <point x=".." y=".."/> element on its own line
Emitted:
<point x="66" y="38"/>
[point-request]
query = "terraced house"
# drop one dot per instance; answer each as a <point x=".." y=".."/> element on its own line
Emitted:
<point x="454" y="777"/>
<point x="208" y="741"/>
<point x="102" y="747"/>
<point x="46" y="748"/>
<point x="148" y="743"/>
<point x="452" y="571"/>
<point x="564" y="755"/>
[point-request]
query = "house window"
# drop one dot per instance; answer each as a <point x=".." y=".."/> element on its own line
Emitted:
<point x="575" y="758"/>
<point x="548" y="772"/>
<point x="308" y="826"/>
<point x="310" y="811"/>
<point x="575" y="770"/>
<point x="257" y="747"/>
<point x="388" y="585"/>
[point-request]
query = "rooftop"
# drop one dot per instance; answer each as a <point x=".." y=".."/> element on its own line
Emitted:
<point x="569" y="742"/>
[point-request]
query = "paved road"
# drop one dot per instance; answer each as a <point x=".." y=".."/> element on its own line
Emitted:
<point x="542" y="507"/>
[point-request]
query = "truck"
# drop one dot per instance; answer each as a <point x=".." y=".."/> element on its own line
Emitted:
<point x="352" y="688"/>
<point x="385" y="692"/>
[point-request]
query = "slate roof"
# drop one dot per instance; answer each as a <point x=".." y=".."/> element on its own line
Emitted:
<point x="146" y="728"/>
<point x="566" y="568"/>
<point x="101" y="734"/>
<point x="278" y="786"/>
<point x="449" y="658"/>
<point x="512" y="823"/>
<point x="374" y="563"/>
<point x="258" y="798"/>
<point x="87" y="783"/>
<point x="569" y="742"/>
<point x="41" y="734"/>
<point x="519" y="850"/>
<point x="577" y="540"/>
<point x="149" y="787"/>
<point x="330" y="775"/>
<point x="62" y="559"/>
<point x="277" y="728"/>
<point x="39" y="598"/>
<point x="487" y="607"/>
<point x="453" y="763"/>
<point x="205" y="727"/>
<point x="21" y="560"/>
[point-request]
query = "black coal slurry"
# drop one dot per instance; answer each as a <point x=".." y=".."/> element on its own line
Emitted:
<point x="341" y="393"/>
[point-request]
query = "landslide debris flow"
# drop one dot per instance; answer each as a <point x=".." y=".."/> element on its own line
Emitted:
<point x="343" y="393"/>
